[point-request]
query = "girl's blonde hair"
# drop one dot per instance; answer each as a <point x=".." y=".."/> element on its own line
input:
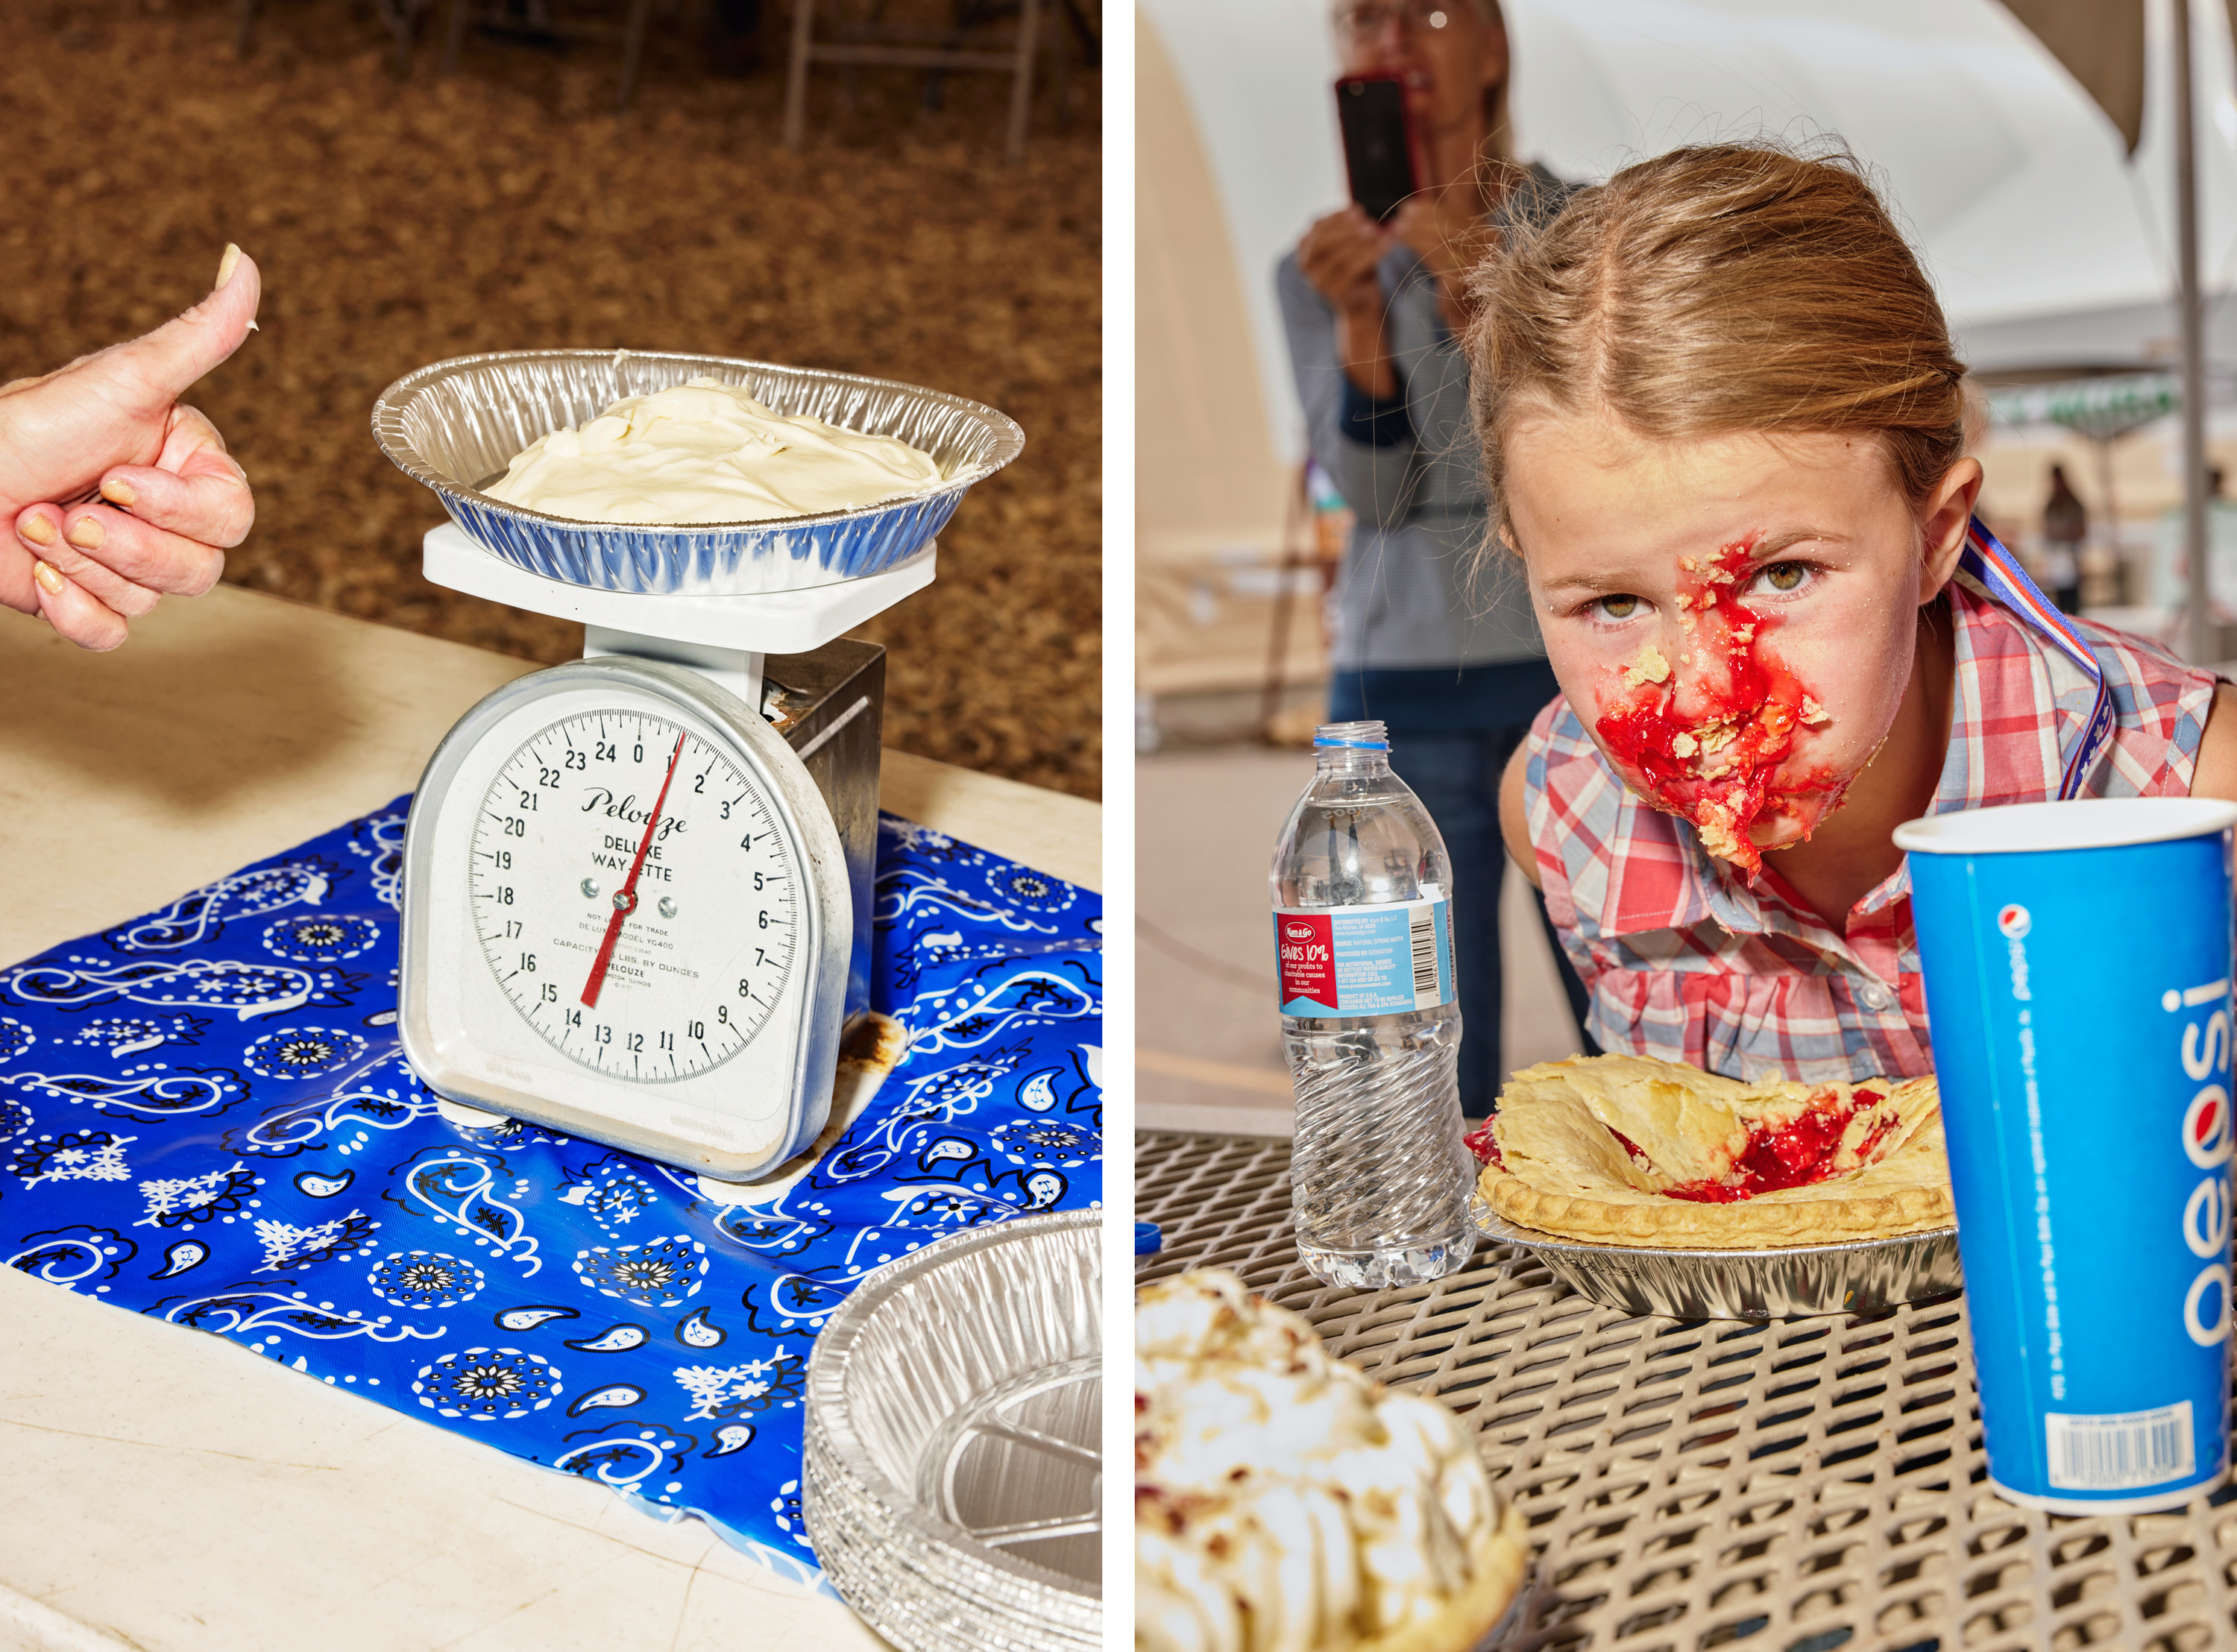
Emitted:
<point x="1723" y="288"/>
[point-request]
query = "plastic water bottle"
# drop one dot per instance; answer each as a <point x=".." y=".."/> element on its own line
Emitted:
<point x="1370" y="1023"/>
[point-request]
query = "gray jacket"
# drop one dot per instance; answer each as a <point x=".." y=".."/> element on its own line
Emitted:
<point x="1410" y="595"/>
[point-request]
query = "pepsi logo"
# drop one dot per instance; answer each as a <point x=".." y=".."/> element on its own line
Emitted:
<point x="2207" y="1136"/>
<point x="2015" y="922"/>
<point x="1299" y="932"/>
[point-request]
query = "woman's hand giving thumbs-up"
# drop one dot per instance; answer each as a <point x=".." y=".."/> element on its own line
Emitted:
<point x="117" y="493"/>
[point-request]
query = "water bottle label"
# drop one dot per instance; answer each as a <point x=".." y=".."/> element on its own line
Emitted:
<point x="1364" y="960"/>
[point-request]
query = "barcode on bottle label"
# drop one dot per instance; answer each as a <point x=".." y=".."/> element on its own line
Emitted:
<point x="1423" y="930"/>
<point x="2122" y="1449"/>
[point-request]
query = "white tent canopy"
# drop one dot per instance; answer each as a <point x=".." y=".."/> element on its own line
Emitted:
<point x="2051" y="248"/>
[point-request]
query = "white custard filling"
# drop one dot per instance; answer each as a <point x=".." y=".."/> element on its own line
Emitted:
<point x="706" y="452"/>
<point x="1284" y="1501"/>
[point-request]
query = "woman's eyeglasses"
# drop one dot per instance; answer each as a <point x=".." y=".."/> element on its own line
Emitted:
<point x="1363" y="18"/>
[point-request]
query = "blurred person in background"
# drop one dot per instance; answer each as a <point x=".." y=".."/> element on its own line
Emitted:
<point x="117" y="492"/>
<point x="2065" y="526"/>
<point x="1373" y="312"/>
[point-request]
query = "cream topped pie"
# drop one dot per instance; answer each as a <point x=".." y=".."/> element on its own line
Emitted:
<point x="1284" y="1502"/>
<point x="706" y="452"/>
<point x="1629" y="1150"/>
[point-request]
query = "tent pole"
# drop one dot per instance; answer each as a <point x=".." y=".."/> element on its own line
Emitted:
<point x="2203" y="633"/>
<point x="2109" y="513"/>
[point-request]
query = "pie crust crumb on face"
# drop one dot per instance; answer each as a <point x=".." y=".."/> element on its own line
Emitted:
<point x="1630" y="1150"/>
<point x="1285" y="1502"/>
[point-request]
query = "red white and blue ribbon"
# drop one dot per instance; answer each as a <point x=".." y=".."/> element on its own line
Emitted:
<point x="1987" y="560"/>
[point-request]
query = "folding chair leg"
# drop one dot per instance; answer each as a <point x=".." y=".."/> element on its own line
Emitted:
<point x="456" y="37"/>
<point x="402" y="17"/>
<point x="1021" y="84"/>
<point x="633" y="52"/>
<point x="795" y="86"/>
<point x="1061" y="46"/>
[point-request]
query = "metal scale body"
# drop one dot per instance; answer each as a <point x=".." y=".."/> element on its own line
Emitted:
<point x="542" y="980"/>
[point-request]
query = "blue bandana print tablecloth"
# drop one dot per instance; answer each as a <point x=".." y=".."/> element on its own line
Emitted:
<point x="206" y="1117"/>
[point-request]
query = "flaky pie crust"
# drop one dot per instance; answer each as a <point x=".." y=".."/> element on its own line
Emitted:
<point x="1501" y="1558"/>
<point x="1559" y="1171"/>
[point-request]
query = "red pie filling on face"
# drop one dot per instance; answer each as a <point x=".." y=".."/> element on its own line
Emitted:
<point x="1715" y="765"/>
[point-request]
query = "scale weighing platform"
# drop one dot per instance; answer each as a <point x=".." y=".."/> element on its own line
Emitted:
<point x="637" y="887"/>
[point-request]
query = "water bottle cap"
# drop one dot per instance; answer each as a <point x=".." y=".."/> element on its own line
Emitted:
<point x="1368" y="735"/>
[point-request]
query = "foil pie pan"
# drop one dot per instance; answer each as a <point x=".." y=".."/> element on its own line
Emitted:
<point x="456" y="426"/>
<point x="951" y="1463"/>
<point x="1792" y="1282"/>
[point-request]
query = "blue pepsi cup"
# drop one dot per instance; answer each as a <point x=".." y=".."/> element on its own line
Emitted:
<point x="2077" y="969"/>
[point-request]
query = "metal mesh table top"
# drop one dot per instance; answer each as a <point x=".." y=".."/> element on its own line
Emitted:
<point x="1798" y="1486"/>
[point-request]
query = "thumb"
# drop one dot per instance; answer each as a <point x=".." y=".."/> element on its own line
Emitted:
<point x="160" y="365"/>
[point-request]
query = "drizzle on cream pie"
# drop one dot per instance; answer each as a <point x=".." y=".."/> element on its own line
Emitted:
<point x="1284" y="1502"/>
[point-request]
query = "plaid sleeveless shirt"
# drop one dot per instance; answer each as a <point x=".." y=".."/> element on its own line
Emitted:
<point x="1686" y="963"/>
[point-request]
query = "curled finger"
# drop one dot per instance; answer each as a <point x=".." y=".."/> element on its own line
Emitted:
<point x="19" y="589"/>
<point x="104" y="584"/>
<point x="195" y="489"/>
<point x="41" y="537"/>
<point x="74" y="612"/>
<point x="141" y="552"/>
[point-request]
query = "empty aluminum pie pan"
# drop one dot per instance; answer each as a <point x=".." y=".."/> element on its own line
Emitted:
<point x="456" y="426"/>
<point x="952" y="1478"/>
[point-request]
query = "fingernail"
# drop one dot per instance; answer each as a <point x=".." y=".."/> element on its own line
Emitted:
<point x="225" y="265"/>
<point x="86" y="533"/>
<point x="117" y="491"/>
<point x="38" y="530"/>
<point x="49" y="577"/>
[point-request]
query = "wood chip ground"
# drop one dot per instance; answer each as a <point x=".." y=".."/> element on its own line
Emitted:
<point x="398" y="222"/>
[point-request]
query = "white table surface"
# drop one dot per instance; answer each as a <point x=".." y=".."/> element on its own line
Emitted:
<point x="164" y="1489"/>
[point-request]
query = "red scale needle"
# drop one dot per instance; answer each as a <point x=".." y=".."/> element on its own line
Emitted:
<point x="625" y="897"/>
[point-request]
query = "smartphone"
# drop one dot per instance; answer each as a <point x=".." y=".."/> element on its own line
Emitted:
<point x="1378" y="141"/>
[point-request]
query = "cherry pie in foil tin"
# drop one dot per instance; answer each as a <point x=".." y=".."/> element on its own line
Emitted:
<point x="457" y="425"/>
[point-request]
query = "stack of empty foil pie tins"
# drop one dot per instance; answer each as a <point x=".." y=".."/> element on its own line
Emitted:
<point x="952" y="1469"/>
<point x="458" y="424"/>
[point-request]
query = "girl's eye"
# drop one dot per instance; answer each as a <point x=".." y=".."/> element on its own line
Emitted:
<point x="1621" y="606"/>
<point x="1784" y="577"/>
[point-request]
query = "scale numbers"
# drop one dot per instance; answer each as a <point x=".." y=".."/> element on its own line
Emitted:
<point x="633" y="896"/>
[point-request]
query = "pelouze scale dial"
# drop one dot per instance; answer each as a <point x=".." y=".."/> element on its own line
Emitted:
<point x="637" y="887"/>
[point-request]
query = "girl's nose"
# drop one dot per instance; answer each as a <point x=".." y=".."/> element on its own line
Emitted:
<point x="1700" y="671"/>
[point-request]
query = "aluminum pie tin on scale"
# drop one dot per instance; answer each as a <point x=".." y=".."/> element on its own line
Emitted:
<point x="952" y="1473"/>
<point x="458" y="424"/>
<point x="1789" y="1282"/>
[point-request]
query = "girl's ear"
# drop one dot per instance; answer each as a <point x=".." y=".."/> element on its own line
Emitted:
<point x="1942" y="526"/>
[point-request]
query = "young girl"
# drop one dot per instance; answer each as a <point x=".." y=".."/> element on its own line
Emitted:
<point x="1720" y="407"/>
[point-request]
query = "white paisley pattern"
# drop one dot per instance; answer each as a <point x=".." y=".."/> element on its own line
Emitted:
<point x="206" y="1119"/>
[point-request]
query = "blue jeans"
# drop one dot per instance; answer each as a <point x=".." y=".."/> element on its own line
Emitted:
<point x="1458" y="728"/>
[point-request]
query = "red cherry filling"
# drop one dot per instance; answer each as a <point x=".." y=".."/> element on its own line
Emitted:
<point x="1793" y="1155"/>
<point x="1478" y="1142"/>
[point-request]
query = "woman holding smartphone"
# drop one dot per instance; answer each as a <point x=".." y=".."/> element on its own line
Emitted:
<point x="1374" y="311"/>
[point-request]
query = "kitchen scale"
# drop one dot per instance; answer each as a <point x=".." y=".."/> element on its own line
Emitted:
<point x="637" y="887"/>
